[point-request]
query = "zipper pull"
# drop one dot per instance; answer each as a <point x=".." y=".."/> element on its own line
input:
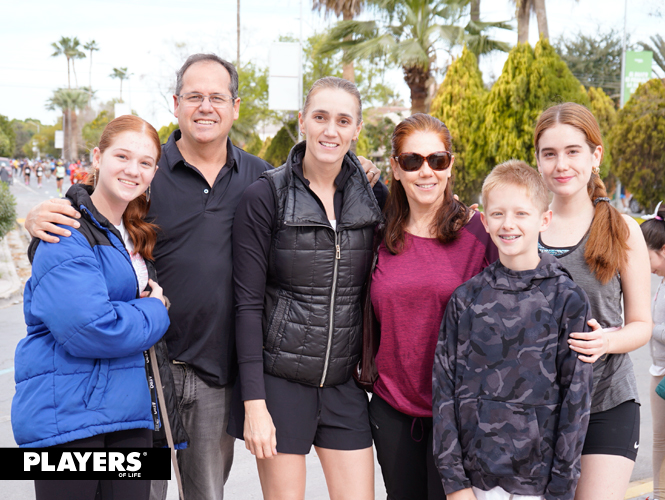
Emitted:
<point x="337" y="254"/>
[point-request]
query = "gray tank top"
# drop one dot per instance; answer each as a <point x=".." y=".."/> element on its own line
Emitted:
<point x="613" y="377"/>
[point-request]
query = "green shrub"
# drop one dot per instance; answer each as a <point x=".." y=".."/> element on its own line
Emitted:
<point x="7" y="210"/>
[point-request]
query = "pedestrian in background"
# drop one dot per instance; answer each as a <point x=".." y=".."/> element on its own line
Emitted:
<point x="605" y="254"/>
<point x="431" y="244"/>
<point x="653" y="230"/>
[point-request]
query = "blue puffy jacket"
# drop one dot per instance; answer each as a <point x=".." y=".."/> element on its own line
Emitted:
<point x="81" y="371"/>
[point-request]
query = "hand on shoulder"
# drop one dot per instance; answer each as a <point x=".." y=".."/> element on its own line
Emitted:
<point x="43" y="219"/>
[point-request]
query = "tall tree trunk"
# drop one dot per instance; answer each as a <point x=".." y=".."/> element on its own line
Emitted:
<point x="523" y="14"/>
<point x="90" y="75"/>
<point x="475" y="10"/>
<point x="65" y="132"/>
<point x="73" y="128"/>
<point x="416" y="78"/>
<point x="76" y="82"/>
<point x="69" y="85"/>
<point x="348" y="70"/>
<point x="541" y="16"/>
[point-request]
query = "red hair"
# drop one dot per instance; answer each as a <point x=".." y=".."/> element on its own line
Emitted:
<point x="451" y="216"/>
<point x="607" y="248"/>
<point x="143" y="234"/>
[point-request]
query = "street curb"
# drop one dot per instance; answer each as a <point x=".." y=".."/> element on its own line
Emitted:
<point x="639" y="488"/>
<point x="9" y="280"/>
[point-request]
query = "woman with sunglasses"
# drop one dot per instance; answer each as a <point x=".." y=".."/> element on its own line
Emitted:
<point x="432" y="243"/>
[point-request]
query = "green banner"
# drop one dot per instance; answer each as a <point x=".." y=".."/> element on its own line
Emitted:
<point x="636" y="71"/>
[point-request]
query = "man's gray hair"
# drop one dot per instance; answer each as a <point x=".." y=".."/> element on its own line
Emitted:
<point x="194" y="58"/>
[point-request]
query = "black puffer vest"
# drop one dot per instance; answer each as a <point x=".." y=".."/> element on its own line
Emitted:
<point x="312" y="320"/>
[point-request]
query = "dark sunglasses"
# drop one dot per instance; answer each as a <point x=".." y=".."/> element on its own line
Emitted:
<point x="410" y="162"/>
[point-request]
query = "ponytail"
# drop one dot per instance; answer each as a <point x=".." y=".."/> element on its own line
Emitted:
<point x="607" y="247"/>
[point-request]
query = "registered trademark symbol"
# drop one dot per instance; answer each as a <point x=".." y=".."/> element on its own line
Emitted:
<point x="145" y="454"/>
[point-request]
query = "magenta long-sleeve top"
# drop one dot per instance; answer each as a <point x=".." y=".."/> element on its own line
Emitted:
<point x="409" y="293"/>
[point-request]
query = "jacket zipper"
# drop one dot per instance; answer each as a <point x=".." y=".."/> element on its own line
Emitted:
<point x="332" y="307"/>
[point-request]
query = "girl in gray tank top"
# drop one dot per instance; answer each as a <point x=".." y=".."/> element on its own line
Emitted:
<point x="606" y="255"/>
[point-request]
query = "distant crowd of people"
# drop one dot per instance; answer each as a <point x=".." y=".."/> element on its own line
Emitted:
<point x="41" y="169"/>
<point x="494" y="343"/>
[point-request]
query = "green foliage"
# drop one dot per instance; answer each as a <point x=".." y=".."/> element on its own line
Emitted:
<point x="7" y="210"/>
<point x="281" y="144"/>
<point x="374" y="142"/>
<point x="254" y="145"/>
<point x="657" y="47"/>
<point x="531" y="81"/>
<point x="603" y="109"/>
<point x="68" y="100"/>
<point x="458" y="105"/>
<point x="166" y="131"/>
<point x="24" y="131"/>
<point x="264" y="148"/>
<point x="92" y="131"/>
<point x="407" y="33"/>
<point x="45" y="139"/>
<point x="594" y="59"/>
<point x="638" y="143"/>
<point x="7" y="137"/>
<point x="253" y="92"/>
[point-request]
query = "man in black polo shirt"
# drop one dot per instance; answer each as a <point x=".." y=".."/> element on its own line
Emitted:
<point x="201" y="178"/>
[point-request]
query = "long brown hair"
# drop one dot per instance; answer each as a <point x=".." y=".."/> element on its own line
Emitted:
<point x="607" y="248"/>
<point x="452" y="214"/>
<point x="142" y="233"/>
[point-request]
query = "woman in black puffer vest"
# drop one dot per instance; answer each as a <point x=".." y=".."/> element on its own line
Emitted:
<point x="302" y="243"/>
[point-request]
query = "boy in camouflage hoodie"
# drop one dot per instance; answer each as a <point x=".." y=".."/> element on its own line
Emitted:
<point x="510" y="399"/>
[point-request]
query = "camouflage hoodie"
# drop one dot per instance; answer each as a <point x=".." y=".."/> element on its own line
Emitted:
<point x="510" y="399"/>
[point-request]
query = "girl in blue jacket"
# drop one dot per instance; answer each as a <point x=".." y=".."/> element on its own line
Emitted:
<point x="80" y="372"/>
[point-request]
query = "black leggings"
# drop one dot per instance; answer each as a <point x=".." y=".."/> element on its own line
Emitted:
<point x="86" y="489"/>
<point x="404" y="451"/>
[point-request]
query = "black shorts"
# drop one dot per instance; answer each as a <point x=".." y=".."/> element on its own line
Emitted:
<point x="614" y="432"/>
<point x="334" y="418"/>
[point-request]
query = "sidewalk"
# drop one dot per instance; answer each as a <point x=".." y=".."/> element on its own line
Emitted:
<point x="14" y="265"/>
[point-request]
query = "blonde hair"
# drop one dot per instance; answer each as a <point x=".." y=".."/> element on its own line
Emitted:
<point x="518" y="173"/>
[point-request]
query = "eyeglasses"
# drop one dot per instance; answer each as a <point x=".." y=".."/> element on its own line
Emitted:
<point x="410" y="162"/>
<point x="194" y="99"/>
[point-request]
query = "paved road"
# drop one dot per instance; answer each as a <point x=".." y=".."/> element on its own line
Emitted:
<point x="243" y="483"/>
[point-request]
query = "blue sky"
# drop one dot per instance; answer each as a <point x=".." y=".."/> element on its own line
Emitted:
<point x="151" y="38"/>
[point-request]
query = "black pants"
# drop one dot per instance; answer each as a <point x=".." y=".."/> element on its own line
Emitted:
<point x="404" y="450"/>
<point x="53" y="489"/>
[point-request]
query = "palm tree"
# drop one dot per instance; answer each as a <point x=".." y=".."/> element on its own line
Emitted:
<point x="69" y="47"/>
<point x="523" y="11"/>
<point x="348" y="9"/>
<point x="408" y="35"/>
<point x="92" y="47"/>
<point x="658" y="49"/>
<point x="121" y="74"/>
<point x="69" y="101"/>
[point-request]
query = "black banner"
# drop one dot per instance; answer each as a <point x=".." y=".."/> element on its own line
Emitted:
<point x="85" y="463"/>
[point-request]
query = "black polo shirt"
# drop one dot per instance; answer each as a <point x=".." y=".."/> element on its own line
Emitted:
<point x="193" y="256"/>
